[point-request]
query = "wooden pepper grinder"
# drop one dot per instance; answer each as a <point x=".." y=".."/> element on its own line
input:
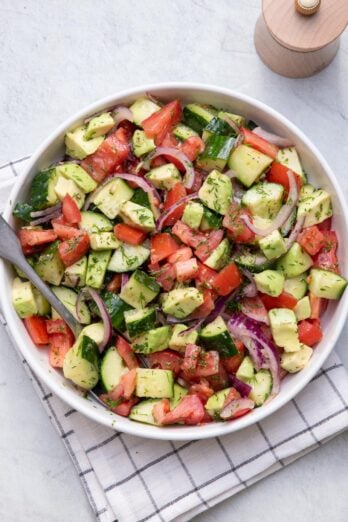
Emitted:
<point x="298" y="38"/>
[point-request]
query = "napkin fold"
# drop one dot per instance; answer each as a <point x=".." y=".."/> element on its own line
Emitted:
<point x="130" y="479"/>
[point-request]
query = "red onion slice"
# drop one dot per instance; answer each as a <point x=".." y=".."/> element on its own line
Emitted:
<point x="242" y="387"/>
<point x="180" y="156"/>
<point x="250" y="290"/>
<point x="122" y="113"/>
<point x="235" y="406"/>
<point x="170" y="210"/>
<point x="272" y="138"/>
<point x="46" y="211"/>
<point x="45" y="219"/>
<point x="230" y="122"/>
<point x="124" y="279"/>
<point x="195" y="325"/>
<point x="283" y="213"/>
<point x="255" y="352"/>
<point x="93" y="294"/>
<point x="295" y="232"/>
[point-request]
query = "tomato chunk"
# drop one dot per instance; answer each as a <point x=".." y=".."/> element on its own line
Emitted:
<point x="36" y="326"/>
<point x="326" y="258"/>
<point x="311" y="240"/>
<point x="162" y="246"/>
<point x="202" y="390"/>
<point x="207" y="364"/>
<point x="71" y="250"/>
<point x="115" y="283"/>
<point x="227" y="279"/>
<point x="65" y="231"/>
<point x="32" y="237"/>
<point x="159" y="124"/>
<point x="124" y="408"/>
<point x="318" y="305"/>
<point x="205" y="276"/>
<point x="191" y="358"/>
<point x="309" y="331"/>
<point x="188" y="235"/>
<point x="260" y="144"/>
<point x="165" y="276"/>
<point x="284" y="300"/>
<point x="71" y="211"/>
<point x="238" y="231"/>
<point x="190" y="410"/>
<point x="126" y="352"/>
<point x="206" y="307"/>
<point x="129" y="234"/>
<point x="167" y="360"/>
<point x="182" y="254"/>
<point x="192" y="147"/>
<point x="60" y="344"/>
<point x="186" y="270"/>
<point x="278" y="173"/>
<point x="173" y="196"/>
<point x="160" y="410"/>
<point x="206" y="247"/>
<point x="57" y="326"/>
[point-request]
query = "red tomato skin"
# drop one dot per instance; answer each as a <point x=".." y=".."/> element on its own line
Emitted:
<point x="207" y="364"/>
<point x="202" y="390"/>
<point x="71" y="211"/>
<point x="163" y="245"/>
<point x="227" y="280"/>
<point x="173" y="196"/>
<point x="188" y="236"/>
<point x="60" y="344"/>
<point x="231" y="364"/>
<point x="325" y="225"/>
<point x="166" y="360"/>
<point x="182" y="254"/>
<point x="128" y="234"/>
<point x="212" y="241"/>
<point x="205" y="276"/>
<point x="326" y="258"/>
<point x="186" y="270"/>
<point x="36" y="326"/>
<point x="278" y="173"/>
<point x="219" y="380"/>
<point x="159" y="124"/>
<point x="126" y="352"/>
<point x="32" y="238"/>
<point x="65" y="231"/>
<point x="311" y="240"/>
<point x="115" y="284"/>
<point x="206" y="307"/>
<point x="57" y="326"/>
<point x="284" y="300"/>
<point x="124" y="408"/>
<point x="160" y="410"/>
<point x="190" y="361"/>
<point x="71" y="250"/>
<point x="192" y="147"/>
<point x="318" y="305"/>
<point x="190" y="411"/>
<point x="310" y="332"/>
<point x="260" y="144"/>
<point x="165" y="276"/>
<point x="237" y="229"/>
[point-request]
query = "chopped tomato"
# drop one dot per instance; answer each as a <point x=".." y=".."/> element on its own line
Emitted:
<point x="182" y="254"/>
<point x="60" y="344"/>
<point x="192" y="147"/>
<point x="162" y="246"/>
<point x="188" y="235"/>
<point x="159" y="124"/>
<point x="165" y="276"/>
<point x="238" y="231"/>
<point x="186" y="270"/>
<point x="227" y="279"/>
<point x="311" y="240"/>
<point x="129" y="234"/>
<point x="65" y="231"/>
<point x="190" y="361"/>
<point x="326" y="258"/>
<point x="205" y="276"/>
<point x="190" y="410"/>
<point x="71" y="250"/>
<point x="173" y="196"/>
<point x="111" y="153"/>
<point x="232" y="395"/>
<point x="202" y="390"/>
<point x="212" y="240"/>
<point x="115" y="284"/>
<point x="284" y="300"/>
<point x="170" y="141"/>
<point x="128" y="381"/>
<point x="318" y="305"/>
<point x="310" y="332"/>
<point x="231" y="364"/>
<point x="57" y="326"/>
<point x="219" y="380"/>
<point x="160" y="409"/>
<point x="32" y="237"/>
<point x="126" y="352"/>
<point x="71" y="211"/>
<point x="255" y="306"/>
<point x="206" y="307"/>
<point x="260" y="144"/>
<point x="36" y="326"/>
<point x="167" y="360"/>
<point x="278" y="173"/>
<point x="124" y="408"/>
<point x="325" y="225"/>
<point x="207" y="364"/>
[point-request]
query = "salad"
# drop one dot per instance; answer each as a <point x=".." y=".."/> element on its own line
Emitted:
<point x="190" y="245"/>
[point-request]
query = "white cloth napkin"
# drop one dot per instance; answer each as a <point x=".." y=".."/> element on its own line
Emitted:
<point x="134" y="480"/>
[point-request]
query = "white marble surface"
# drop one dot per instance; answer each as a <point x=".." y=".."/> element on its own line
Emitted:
<point x="56" y="57"/>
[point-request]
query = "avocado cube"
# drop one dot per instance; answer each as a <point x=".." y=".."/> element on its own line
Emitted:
<point x="181" y="302"/>
<point x="154" y="340"/>
<point x="76" y="173"/>
<point x="141" y="144"/>
<point x="81" y="363"/>
<point x="270" y="282"/>
<point x="154" y="383"/>
<point x="143" y="108"/>
<point x="284" y="329"/>
<point x="139" y="290"/>
<point x="303" y="309"/>
<point x="111" y="197"/>
<point x="295" y="262"/>
<point x="293" y="362"/>
<point x="23" y="298"/>
<point x="43" y="306"/>
<point x="220" y="256"/>
<point x="77" y="146"/>
<point x="289" y="157"/>
<point x="193" y="214"/>
<point x="99" y="125"/>
<point x="49" y="266"/>
<point x="273" y="245"/>
<point x="179" y="342"/>
<point x="66" y="186"/>
<point x="248" y="163"/>
<point x="216" y="192"/>
<point x="104" y="241"/>
<point x="137" y="216"/>
<point x="315" y="208"/>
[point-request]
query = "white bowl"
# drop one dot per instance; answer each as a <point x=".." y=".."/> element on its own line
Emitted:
<point x="319" y="173"/>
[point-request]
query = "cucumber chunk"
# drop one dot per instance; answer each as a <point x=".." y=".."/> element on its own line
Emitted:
<point x="49" y="265"/>
<point x="69" y="298"/>
<point x="248" y="164"/>
<point x="216" y="152"/>
<point x="140" y="321"/>
<point x="216" y="192"/>
<point x="128" y="258"/>
<point x="154" y="384"/>
<point x="111" y="369"/>
<point x="81" y="363"/>
<point x="42" y="193"/>
<point x="140" y="289"/>
<point x="154" y="340"/>
<point x="295" y="262"/>
<point x="215" y="336"/>
<point x="94" y="223"/>
<point x="96" y="268"/>
<point x="328" y="285"/>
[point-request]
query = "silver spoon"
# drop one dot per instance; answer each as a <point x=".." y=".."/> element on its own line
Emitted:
<point x="11" y="250"/>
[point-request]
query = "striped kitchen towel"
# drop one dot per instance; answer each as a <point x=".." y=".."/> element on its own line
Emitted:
<point x="132" y="480"/>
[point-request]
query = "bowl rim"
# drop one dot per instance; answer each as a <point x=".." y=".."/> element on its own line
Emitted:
<point x="114" y="421"/>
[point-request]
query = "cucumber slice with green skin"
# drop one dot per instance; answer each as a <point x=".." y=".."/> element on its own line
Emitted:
<point x="49" y="265"/>
<point x="178" y="393"/>
<point x="180" y="302"/>
<point x="237" y="118"/>
<point x="116" y="308"/>
<point x="94" y="331"/>
<point x="197" y="116"/>
<point x="154" y="383"/>
<point x="94" y="223"/>
<point x="253" y="261"/>
<point x="22" y="211"/>
<point x="270" y="282"/>
<point x="68" y="297"/>
<point x="154" y="340"/>
<point x="42" y="193"/>
<point x="328" y="285"/>
<point x="216" y="153"/>
<point x="140" y="321"/>
<point x="81" y="363"/>
<point x="219" y="127"/>
<point x="111" y="369"/>
<point x="128" y="258"/>
<point x="248" y="164"/>
<point x="140" y="289"/>
<point x="75" y="275"/>
<point x="215" y="336"/>
<point x="143" y="412"/>
<point x="296" y="286"/>
<point x="193" y="214"/>
<point x="141" y="198"/>
<point x="179" y="342"/>
<point x="210" y="220"/>
<point x="96" y="268"/>
<point x="295" y="262"/>
<point x="183" y="132"/>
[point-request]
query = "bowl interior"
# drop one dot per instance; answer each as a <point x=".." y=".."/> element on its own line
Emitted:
<point x="318" y="172"/>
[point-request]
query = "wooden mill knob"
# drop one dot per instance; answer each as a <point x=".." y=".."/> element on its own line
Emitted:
<point x="295" y="45"/>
